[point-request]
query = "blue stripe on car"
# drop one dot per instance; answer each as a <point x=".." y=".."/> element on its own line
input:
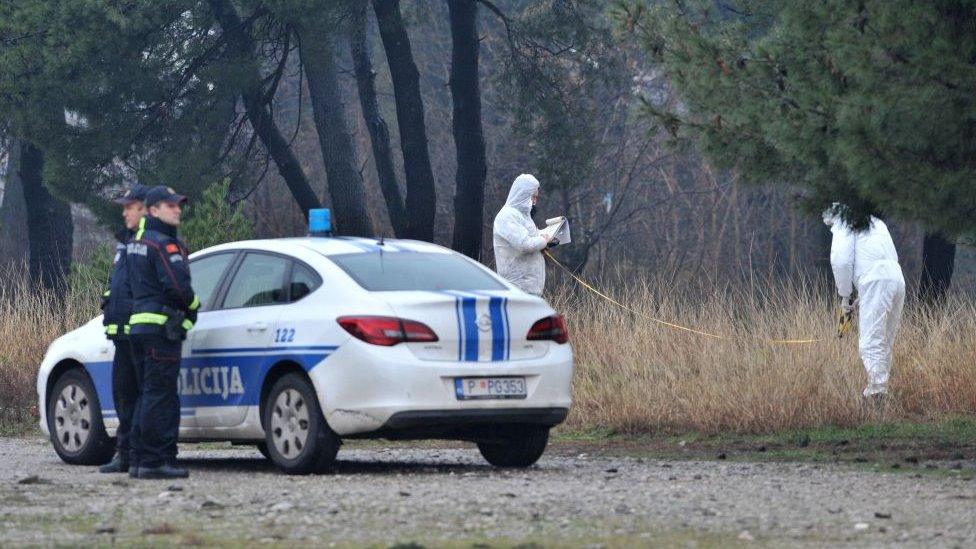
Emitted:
<point x="498" y="338"/>
<point x="468" y="305"/>
<point x="252" y="350"/>
<point x="508" y="330"/>
<point x="229" y="380"/>
<point x="460" y="325"/>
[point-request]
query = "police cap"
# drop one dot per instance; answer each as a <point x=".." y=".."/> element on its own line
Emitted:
<point x="163" y="194"/>
<point x="135" y="194"/>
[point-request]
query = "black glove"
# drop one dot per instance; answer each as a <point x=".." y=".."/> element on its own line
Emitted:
<point x="192" y="316"/>
<point x="103" y="302"/>
<point x="553" y="243"/>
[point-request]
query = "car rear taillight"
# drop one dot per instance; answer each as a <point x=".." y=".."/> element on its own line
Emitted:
<point x="549" y="328"/>
<point x="386" y="330"/>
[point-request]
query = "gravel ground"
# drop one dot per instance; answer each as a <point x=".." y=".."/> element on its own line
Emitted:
<point x="446" y="495"/>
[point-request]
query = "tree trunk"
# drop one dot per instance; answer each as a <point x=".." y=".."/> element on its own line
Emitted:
<point x="13" y="212"/>
<point x="345" y="182"/>
<point x="938" y="261"/>
<point x="421" y="196"/>
<point x="49" y="226"/>
<point x="379" y="134"/>
<point x="469" y="140"/>
<point x="257" y="111"/>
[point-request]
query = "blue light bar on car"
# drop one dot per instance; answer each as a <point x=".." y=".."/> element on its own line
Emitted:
<point x="319" y="222"/>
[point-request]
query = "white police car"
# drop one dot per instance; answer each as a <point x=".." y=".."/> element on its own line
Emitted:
<point x="302" y="342"/>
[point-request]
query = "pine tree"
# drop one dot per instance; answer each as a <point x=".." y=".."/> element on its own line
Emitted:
<point x="868" y="103"/>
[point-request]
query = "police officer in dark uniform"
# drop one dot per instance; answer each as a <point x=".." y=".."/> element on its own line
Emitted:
<point x="164" y="308"/>
<point x="117" y="307"/>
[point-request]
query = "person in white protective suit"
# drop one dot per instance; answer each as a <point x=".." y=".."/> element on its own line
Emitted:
<point x="866" y="260"/>
<point x="517" y="241"/>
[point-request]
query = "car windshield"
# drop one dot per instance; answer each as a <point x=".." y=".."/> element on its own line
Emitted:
<point x="399" y="271"/>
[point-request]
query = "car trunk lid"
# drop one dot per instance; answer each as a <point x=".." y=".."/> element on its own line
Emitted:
<point x="473" y="326"/>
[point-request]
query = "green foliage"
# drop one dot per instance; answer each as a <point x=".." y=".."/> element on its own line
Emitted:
<point x="562" y="72"/>
<point x="214" y="220"/>
<point x="110" y="91"/>
<point x="868" y="103"/>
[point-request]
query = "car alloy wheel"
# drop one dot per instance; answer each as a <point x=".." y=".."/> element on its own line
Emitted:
<point x="297" y="438"/>
<point x="289" y="424"/>
<point x="72" y="417"/>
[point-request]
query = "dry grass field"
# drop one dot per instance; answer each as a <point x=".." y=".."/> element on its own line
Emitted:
<point x="634" y="375"/>
<point x="30" y="319"/>
<point x="637" y="376"/>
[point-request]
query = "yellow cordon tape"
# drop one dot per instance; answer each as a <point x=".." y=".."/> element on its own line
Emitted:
<point x="589" y="287"/>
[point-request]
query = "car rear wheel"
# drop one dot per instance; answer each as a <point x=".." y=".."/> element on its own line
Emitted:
<point x="298" y="439"/>
<point x="263" y="448"/>
<point x="520" y="447"/>
<point x="75" y="421"/>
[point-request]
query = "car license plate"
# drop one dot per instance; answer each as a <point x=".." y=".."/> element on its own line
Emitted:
<point x="483" y="388"/>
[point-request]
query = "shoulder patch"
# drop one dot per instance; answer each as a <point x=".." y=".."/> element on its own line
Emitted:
<point x="172" y="248"/>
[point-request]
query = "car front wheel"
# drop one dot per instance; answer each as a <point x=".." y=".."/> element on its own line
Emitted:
<point x="298" y="439"/>
<point x="520" y="447"/>
<point x="75" y="421"/>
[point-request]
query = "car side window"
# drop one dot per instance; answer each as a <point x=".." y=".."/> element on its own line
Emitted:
<point x="303" y="282"/>
<point x="206" y="273"/>
<point x="259" y="281"/>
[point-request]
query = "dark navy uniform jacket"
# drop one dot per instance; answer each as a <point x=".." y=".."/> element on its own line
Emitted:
<point x="159" y="273"/>
<point x="118" y="298"/>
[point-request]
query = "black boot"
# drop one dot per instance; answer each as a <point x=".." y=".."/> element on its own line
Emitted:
<point x="119" y="464"/>
<point x="133" y="470"/>
<point x="163" y="471"/>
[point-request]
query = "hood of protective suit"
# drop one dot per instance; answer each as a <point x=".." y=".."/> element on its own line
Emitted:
<point x="520" y="195"/>
<point x="517" y="241"/>
<point x="830" y="215"/>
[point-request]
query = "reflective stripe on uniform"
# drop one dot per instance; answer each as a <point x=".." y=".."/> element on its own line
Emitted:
<point x="142" y="228"/>
<point x="148" y="318"/>
<point x="126" y="329"/>
<point x="111" y="329"/>
<point x="187" y="325"/>
<point x="107" y="293"/>
<point x="196" y="303"/>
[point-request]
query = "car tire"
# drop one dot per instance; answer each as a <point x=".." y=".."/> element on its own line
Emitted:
<point x="263" y="448"/>
<point x="74" y="418"/>
<point x="521" y="447"/>
<point x="297" y="437"/>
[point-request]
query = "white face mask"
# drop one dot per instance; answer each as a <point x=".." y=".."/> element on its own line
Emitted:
<point x="829" y="217"/>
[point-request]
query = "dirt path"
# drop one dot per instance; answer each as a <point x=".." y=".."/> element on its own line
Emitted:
<point x="448" y="496"/>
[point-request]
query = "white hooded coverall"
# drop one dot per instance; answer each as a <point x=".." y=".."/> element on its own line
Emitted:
<point x="868" y="260"/>
<point x="517" y="242"/>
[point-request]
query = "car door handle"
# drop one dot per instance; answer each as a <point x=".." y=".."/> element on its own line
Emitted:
<point x="258" y="327"/>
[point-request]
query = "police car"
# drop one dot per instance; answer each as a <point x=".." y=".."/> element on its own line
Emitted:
<point x="303" y="342"/>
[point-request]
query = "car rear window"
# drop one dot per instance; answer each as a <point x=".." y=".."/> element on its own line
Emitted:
<point x="414" y="271"/>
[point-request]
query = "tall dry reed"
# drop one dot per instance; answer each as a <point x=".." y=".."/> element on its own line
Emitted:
<point x="31" y="317"/>
<point x="634" y="375"/>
